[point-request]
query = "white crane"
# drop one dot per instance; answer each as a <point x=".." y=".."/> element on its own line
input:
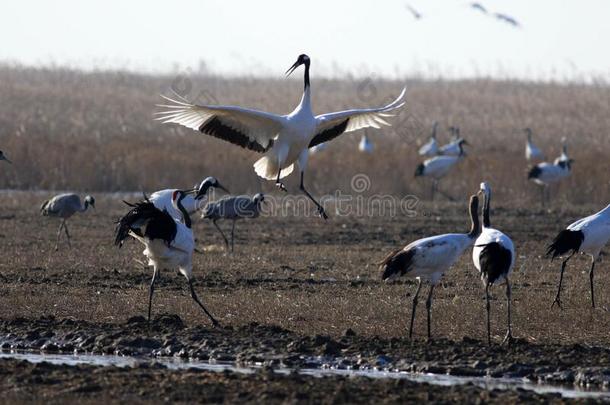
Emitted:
<point x="544" y="174"/>
<point x="494" y="257"/>
<point x="64" y="206"/>
<point x="456" y="146"/>
<point x="169" y="241"/>
<point x="564" y="153"/>
<point x="532" y="152"/>
<point x="233" y="208"/>
<point x="429" y="258"/>
<point x="365" y="145"/>
<point x="194" y="200"/>
<point x="430" y="148"/>
<point x="283" y="139"/>
<point x="437" y="168"/>
<point x="3" y="157"/>
<point x="587" y="236"/>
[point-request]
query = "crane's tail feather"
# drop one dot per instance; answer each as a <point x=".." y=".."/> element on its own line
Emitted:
<point x="495" y="261"/>
<point x="567" y="240"/>
<point x="267" y="169"/>
<point x="396" y="263"/>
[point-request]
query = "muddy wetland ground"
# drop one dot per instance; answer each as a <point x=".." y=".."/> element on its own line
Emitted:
<point x="297" y="294"/>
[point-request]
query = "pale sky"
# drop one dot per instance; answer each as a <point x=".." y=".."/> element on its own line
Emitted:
<point x="558" y="38"/>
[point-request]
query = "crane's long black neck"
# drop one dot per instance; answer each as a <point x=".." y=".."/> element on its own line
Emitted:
<point x="475" y="228"/>
<point x="486" y="221"/>
<point x="185" y="215"/>
<point x="306" y="75"/>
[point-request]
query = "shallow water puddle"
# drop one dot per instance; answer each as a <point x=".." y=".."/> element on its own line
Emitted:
<point x="488" y="383"/>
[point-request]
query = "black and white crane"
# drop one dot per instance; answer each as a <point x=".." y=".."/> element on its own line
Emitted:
<point x="430" y="148"/>
<point x="194" y="200"/>
<point x="544" y="174"/>
<point x="532" y="152"/>
<point x="437" y="168"/>
<point x="64" y="206"/>
<point x="455" y="147"/>
<point x="283" y="139"/>
<point x="233" y="208"/>
<point x="493" y="256"/>
<point x="587" y="236"/>
<point x="429" y="259"/>
<point x="169" y="241"/>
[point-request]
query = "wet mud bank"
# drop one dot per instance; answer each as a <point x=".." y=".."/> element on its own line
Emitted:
<point x="273" y="347"/>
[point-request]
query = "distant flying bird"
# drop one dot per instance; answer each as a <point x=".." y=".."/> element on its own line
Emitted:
<point x="3" y="157"/>
<point x="430" y="148"/>
<point x="416" y="14"/>
<point x="365" y="145"/>
<point x="428" y="259"/>
<point x="532" y="152"/>
<point x="194" y="200"/>
<point x="64" y="206"/>
<point x="169" y="241"/>
<point x="587" y="236"/>
<point x="507" y="19"/>
<point x="437" y="168"/>
<point x="498" y="16"/>
<point x="494" y="257"/>
<point x="233" y="208"/>
<point x="283" y="139"/>
<point x="478" y="6"/>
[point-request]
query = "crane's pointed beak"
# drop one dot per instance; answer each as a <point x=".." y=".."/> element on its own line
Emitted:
<point x="7" y="159"/>
<point x="292" y="68"/>
<point x="223" y="188"/>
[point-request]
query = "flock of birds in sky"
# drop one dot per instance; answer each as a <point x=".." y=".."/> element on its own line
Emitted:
<point x="478" y="7"/>
<point x="162" y="222"/>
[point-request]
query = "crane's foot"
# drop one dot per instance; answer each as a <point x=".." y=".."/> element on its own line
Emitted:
<point x="557" y="301"/>
<point x="322" y="213"/>
<point x="281" y="186"/>
<point x="508" y="339"/>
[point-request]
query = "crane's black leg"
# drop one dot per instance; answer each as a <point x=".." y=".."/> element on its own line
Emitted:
<point x="558" y="296"/>
<point x="151" y="291"/>
<point x="415" y="297"/>
<point x="67" y="233"/>
<point x="428" y="309"/>
<point x="232" y="235"/>
<point x="320" y="208"/>
<point x="278" y="183"/>
<point x="222" y="233"/>
<point x="194" y="296"/>
<point x="433" y="190"/>
<point x="444" y="194"/>
<point x="487" y="308"/>
<point x="591" y="282"/>
<point x="61" y="225"/>
<point x="509" y="333"/>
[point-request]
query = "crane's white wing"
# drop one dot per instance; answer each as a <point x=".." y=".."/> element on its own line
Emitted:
<point x="330" y="126"/>
<point x="251" y="129"/>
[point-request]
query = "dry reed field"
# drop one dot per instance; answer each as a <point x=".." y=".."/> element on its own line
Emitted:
<point x="95" y="132"/>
